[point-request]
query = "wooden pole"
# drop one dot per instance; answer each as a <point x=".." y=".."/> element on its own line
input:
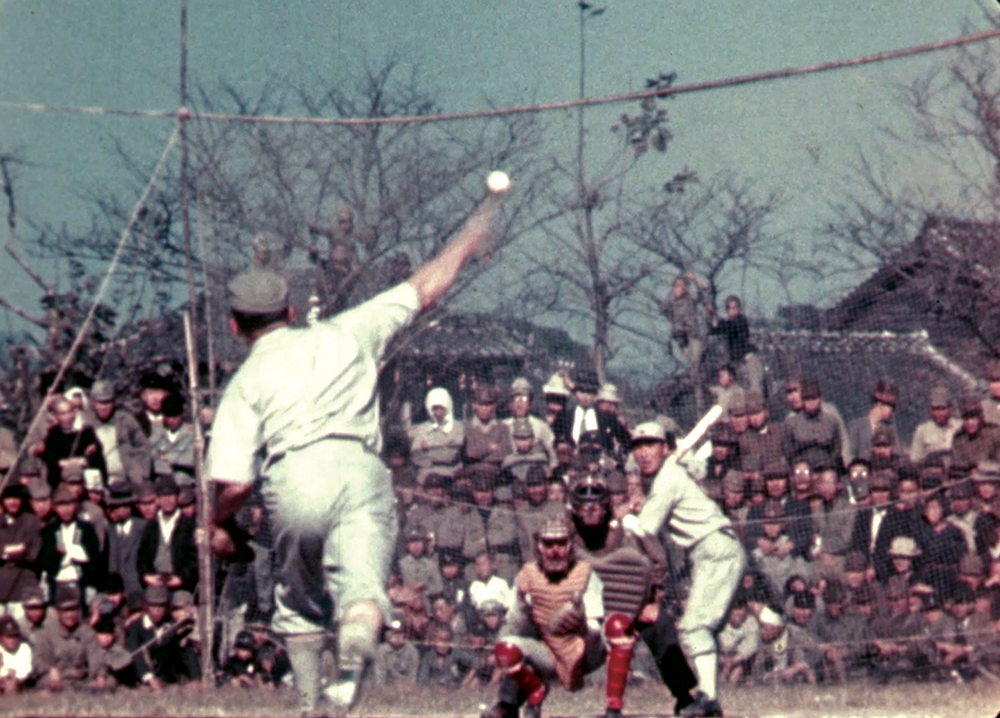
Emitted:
<point x="206" y="581"/>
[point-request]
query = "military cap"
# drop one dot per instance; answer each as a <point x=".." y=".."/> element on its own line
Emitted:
<point x="145" y="492"/>
<point x="885" y="392"/>
<point x="993" y="370"/>
<point x="986" y="472"/>
<point x="166" y="486"/>
<point x="971" y="564"/>
<point x="63" y="495"/>
<point x="961" y="490"/>
<point x="485" y="393"/>
<point x="156" y="596"/>
<point x="883" y="480"/>
<point x="777" y="469"/>
<point x="72" y="472"/>
<point x="737" y="404"/>
<point x="173" y="405"/>
<point x="971" y="406"/>
<point x="904" y="547"/>
<point x="554" y="529"/>
<point x="258" y="292"/>
<point x="8" y="627"/>
<point x="34" y="598"/>
<point x="855" y="561"/>
<point x="522" y="429"/>
<point x="648" y="431"/>
<point x="864" y="595"/>
<point x="434" y="480"/>
<point x="811" y="388"/>
<point x="754" y="402"/>
<point x="483" y="476"/>
<point x="803" y="599"/>
<point x="450" y="556"/>
<point x="119" y="494"/>
<point x="773" y="510"/>
<point x="181" y="599"/>
<point x="721" y="434"/>
<point x="30" y="466"/>
<point x="769" y="617"/>
<point x="537" y="475"/>
<point x="752" y="463"/>
<point x="734" y="482"/>
<point x="154" y="380"/>
<point x="615" y="481"/>
<point x="883" y="436"/>
<point x="556" y="386"/>
<point x="520" y="387"/>
<point x="416" y="533"/>
<point x="186" y="498"/>
<point x="608" y="392"/>
<point x="940" y="398"/>
<point x="67" y="597"/>
<point x="586" y="381"/>
<point x="105" y="623"/>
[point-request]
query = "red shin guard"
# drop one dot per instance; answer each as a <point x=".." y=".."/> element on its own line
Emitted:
<point x="510" y="657"/>
<point x="616" y="628"/>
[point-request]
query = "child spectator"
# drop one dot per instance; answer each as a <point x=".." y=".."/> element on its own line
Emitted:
<point x="15" y="657"/>
<point x="445" y="612"/>
<point x="487" y="584"/>
<point x="739" y="641"/>
<point x="442" y="665"/>
<point x="397" y="660"/>
<point x="116" y="663"/>
<point x="774" y="552"/>
<point x="240" y="668"/>
<point x="416" y="568"/>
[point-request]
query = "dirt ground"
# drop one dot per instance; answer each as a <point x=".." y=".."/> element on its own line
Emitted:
<point x="944" y="700"/>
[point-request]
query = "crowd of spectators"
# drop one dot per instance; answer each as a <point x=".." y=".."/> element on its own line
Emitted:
<point x="868" y="557"/>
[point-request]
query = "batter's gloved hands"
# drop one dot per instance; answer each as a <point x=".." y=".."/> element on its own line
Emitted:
<point x="231" y="543"/>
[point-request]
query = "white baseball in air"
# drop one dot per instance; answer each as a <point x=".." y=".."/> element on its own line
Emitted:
<point x="498" y="182"/>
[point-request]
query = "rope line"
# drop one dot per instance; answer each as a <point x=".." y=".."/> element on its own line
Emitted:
<point x="717" y="84"/>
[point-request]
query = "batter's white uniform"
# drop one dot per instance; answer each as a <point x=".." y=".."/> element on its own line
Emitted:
<point x="307" y="399"/>
<point x="697" y="524"/>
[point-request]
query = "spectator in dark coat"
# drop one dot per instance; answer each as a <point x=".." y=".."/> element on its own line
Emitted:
<point x="167" y="553"/>
<point x="71" y="551"/>
<point x="125" y="535"/>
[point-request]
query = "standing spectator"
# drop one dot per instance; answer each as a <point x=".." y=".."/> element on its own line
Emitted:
<point x="735" y="329"/>
<point x="153" y="391"/>
<point x="962" y="516"/>
<point x="124" y="444"/>
<point x="168" y="555"/>
<point x="436" y="444"/>
<point x="615" y="437"/>
<point x="935" y="435"/>
<point x="881" y="414"/>
<point x="977" y="440"/>
<point x="520" y="408"/>
<point x="687" y="312"/>
<point x="833" y="520"/>
<point x="20" y="544"/>
<point x="487" y="439"/>
<point x="559" y="419"/>
<point x="124" y="539"/>
<point x="64" y="444"/>
<point x="70" y="553"/>
<point x="793" y="399"/>
<point x="763" y="438"/>
<point x="585" y="413"/>
<point x="813" y="434"/>
<point x="172" y="446"/>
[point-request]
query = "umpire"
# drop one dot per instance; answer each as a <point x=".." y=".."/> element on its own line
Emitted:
<point x="306" y="398"/>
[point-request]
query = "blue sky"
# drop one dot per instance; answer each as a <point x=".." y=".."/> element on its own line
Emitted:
<point x="800" y="136"/>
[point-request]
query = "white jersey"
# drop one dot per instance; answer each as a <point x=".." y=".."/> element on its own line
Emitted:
<point x="299" y="386"/>
<point x="677" y="502"/>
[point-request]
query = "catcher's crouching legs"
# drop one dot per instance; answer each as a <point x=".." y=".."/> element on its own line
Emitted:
<point x="621" y="640"/>
<point x="520" y="684"/>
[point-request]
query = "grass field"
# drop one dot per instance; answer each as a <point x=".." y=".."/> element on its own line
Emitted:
<point x="945" y="700"/>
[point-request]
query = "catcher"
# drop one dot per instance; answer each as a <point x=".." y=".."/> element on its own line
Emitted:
<point x="634" y="572"/>
<point x="554" y="630"/>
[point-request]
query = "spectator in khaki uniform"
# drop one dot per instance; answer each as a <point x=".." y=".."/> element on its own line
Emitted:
<point x="882" y="413"/>
<point x="687" y="313"/>
<point x="795" y="403"/>
<point x="487" y="440"/>
<point x="762" y="437"/>
<point x="813" y="434"/>
<point x="936" y="434"/>
<point x="125" y="445"/>
<point x="490" y="526"/>
<point x="962" y="515"/>
<point x="520" y="408"/>
<point x="67" y="654"/>
<point x="977" y="440"/>
<point x="833" y="520"/>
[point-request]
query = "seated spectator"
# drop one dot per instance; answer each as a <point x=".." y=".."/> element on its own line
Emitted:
<point x="70" y="553"/>
<point x="15" y="657"/>
<point x="240" y="667"/>
<point x="117" y="668"/>
<point x="977" y="440"/>
<point x="842" y="635"/>
<point x="418" y="569"/>
<point x="396" y="660"/>
<point x="487" y="585"/>
<point x="772" y="655"/>
<point x="941" y="545"/>
<point x="527" y="454"/>
<point x="124" y="444"/>
<point x="36" y="611"/>
<point x="172" y="446"/>
<point x="774" y="552"/>
<point x="443" y="664"/>
<point x="863" y="430"/>
<point x="158" y="663"/>
<point x="832" y="519"/>
<point x="445" y="612"/>
<point x="167" y="554"/>
<point x="739" y="641"/>
<point x="67" y="655"/>
<point x="20" y="545"/>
